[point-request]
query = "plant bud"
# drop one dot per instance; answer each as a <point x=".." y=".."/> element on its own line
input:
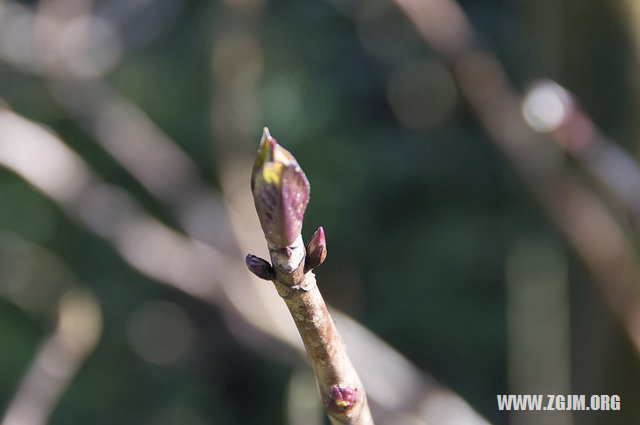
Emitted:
<point x="316" y="250"/>
<point x="341" y="398"/>
<point x="260" y="267"/>
<point x="280" y="192"/>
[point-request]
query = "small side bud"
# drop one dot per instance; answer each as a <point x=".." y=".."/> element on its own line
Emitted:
<point x="260" y="267"/>
<point x="316" y="250"/>
<point x="341" y="398"/>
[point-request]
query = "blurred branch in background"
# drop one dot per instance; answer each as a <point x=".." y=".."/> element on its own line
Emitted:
<point x="35" y="280"/>
<point x="78" y="329"/>
<point x="80" y="39"/>
<point x="42" y="159"/>
<point x="583" y="218"/>
<point x="550" y="108"/>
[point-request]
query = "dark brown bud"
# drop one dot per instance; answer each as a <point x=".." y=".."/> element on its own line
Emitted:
<point x="260" y="267"/>
<point x="316" y="250"/>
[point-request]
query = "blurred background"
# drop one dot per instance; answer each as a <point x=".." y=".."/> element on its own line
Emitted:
<point x="480" y="221"/>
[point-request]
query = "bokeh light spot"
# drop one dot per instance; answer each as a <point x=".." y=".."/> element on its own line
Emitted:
<point x="160" y="332"/>
<point x="422" y="94"/>
<point x="545" y="106"/>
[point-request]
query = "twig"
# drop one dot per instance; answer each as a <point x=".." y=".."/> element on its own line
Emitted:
<point x="281" y="193"/>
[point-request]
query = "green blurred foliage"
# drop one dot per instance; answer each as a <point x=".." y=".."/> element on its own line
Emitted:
<point x="419" y="220"/>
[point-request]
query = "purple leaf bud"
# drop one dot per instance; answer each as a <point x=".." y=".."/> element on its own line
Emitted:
<point x="341" y="398"/>
<point x="280" y="192"/>
<point x="316" y="250"/>
<point x="260" y="267"/>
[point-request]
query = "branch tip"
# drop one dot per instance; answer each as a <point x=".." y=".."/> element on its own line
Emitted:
<point x="281" y="194"/>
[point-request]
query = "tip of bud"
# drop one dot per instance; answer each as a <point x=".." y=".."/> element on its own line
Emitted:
<point x="260" y="267"/>
<point x="316" y="250"/>
<point x="267" y="142"/>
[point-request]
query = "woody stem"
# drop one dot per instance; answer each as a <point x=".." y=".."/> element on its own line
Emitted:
<point x="342" y="393"/>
